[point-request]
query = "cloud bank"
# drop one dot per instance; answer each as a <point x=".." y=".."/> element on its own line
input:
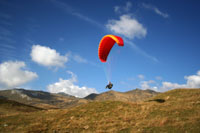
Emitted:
<point x="192" y="81"/>
<point x="13" y="74"/>
<point x="68" y="86"/>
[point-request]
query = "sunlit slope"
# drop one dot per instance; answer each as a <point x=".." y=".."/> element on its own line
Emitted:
<point x="129" y="96"/>
<point x="172" y="111"/>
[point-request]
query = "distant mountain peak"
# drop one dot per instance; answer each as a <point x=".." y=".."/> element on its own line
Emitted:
<point x="64" y="94"/>
<point x="131" y="96"/>
<point x="20" y="93"/>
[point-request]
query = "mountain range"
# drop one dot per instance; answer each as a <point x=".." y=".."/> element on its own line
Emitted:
<point x="48" y="100"/>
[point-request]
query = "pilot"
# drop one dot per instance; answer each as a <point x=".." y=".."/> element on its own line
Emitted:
<point x="109" y="86"/>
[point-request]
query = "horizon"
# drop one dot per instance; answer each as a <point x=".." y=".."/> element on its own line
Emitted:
<point x="52" y="46"/>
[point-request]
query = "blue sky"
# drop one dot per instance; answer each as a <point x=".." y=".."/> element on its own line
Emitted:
<point x="52" y="45"/>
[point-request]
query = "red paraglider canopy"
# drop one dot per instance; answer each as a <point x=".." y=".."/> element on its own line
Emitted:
<point x="106" y="45"/>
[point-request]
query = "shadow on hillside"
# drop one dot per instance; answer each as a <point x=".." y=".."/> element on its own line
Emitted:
<point x="2" y="97"/>
<point x="158" y="100"/>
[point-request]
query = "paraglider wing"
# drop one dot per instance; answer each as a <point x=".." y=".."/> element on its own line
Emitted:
<point x="106" y="45"/>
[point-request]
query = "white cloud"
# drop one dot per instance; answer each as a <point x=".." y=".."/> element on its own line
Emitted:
<point x="158" y="78"/>
<point x="117" y="9"/>
<point x="155" y="9"/>
<point x="141" y="77"/>
<point x="12" y="74"/>
<point x="193" y="81"/>
<point x="121" y="9"/>
<point x="68" y="86"/>
<point x="168" y="86"/>
<point x="127" y="26"/>
<point x="79" y="59"/>
<point x="128" y="6"/>
<point x="47" y="57"/>
<point x="146" y="84"/>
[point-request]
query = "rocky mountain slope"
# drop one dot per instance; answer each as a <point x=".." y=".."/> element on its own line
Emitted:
<point x="41" y="99"/>
<point x="130" y="96"/>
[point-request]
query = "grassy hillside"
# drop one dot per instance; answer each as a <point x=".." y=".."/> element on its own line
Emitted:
<point x="41" y="99"/>
<point x="173" y="111"/>
<point x="48" y="100"/>
<point x="130" y="96"/>
<point x="8" y="107"/>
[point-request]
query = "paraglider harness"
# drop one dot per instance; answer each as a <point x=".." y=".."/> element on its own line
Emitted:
<point x="109" y="86"/>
